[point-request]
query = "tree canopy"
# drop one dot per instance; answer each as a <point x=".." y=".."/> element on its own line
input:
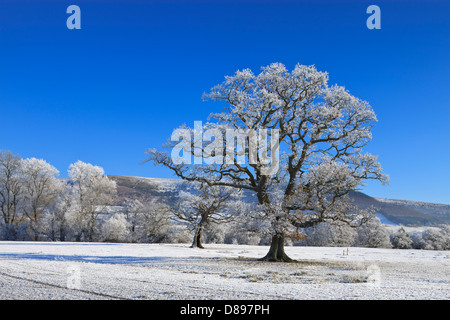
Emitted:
<point x="314" y="158"/>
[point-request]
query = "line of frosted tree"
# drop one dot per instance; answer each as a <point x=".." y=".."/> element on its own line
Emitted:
<point x="36" y="205"/>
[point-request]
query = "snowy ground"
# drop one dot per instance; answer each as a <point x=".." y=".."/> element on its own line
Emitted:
<point x="37" y="270"/>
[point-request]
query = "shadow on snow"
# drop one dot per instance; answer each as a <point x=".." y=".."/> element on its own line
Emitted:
<point x="83" y="258"/>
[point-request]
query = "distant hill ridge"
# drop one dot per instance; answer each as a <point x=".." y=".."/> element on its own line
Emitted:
<point x="402" y="212"/>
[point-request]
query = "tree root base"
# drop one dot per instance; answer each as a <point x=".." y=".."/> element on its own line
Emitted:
<point x="285" y="259"/>
<point x="198" y="247"/>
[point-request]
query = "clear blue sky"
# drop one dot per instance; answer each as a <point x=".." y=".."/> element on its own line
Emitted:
<point x="137" y="69"/>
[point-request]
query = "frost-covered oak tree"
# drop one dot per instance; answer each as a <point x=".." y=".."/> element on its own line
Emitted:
<point x="205" y="204"/>
<point x="91" y="191"/>
<point x="148" y="221"/>
<point x="41" y="188"/>
<point x="320" y="132"/>
<point x="11" y="192"/>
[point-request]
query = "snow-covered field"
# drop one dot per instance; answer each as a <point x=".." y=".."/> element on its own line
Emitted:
<point x="39" y="270"/>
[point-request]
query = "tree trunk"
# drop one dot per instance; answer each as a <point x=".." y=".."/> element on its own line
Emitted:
<point x="276" y="252"/>
<point x="10" y="232"/>
<point x="197" y="243"/>
<point x="62" y="233"/>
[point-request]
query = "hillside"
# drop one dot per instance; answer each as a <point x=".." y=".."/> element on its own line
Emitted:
<point x="145" y="189"/>
<point x="402" y="212"/>
<point x="437" y="210"/>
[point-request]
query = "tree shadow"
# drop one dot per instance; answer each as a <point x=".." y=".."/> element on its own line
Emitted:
<point x="83" y="258"/>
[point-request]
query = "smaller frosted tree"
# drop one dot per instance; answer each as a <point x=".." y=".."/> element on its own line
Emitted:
<point x="148" y="221"/>
<point x="330" y="234"/>
<point x="56" y="222"/>
<point x="116" y="228"/>
<point x="11" y="193"/>
<point x="432" y="238"/>
<point x="401" y="240"/>
<point x="373" y="235"/>
<point x="92" y="192"/>
<point x="40" y="188"/>
<point x="207" y="204"/>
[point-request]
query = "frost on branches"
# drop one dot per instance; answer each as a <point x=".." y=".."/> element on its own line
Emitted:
<point x="205" y="204"/>
<point x="91" y="193"/>
<point x="41" y="188"/>
<point x="28" y="188"/>
<point x="321" y="130"/>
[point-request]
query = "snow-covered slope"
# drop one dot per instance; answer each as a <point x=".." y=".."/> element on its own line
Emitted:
<point x="438" y="210"/>
<point x="400" y="212"/>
